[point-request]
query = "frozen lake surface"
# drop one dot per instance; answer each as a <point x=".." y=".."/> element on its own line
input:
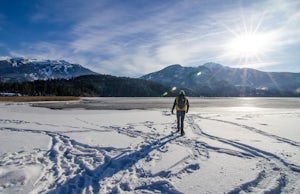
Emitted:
<point x="154" y="103"/>
<point x="130" y="145"/>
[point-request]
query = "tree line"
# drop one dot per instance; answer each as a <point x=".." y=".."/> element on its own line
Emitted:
<point x="112" y="86"/>
<point x="89" y="85"/>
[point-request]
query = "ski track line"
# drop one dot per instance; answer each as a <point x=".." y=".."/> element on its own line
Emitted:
<point x="281" y="139"/>
<point x="276" y="174"/>
<point x="256" y="150"/>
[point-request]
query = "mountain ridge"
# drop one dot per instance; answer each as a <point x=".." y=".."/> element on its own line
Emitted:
<point x="17" y="69"/>
<point x="19" y="76"/>
<point x="213" y="79"/>
<point x="209" y="79"/>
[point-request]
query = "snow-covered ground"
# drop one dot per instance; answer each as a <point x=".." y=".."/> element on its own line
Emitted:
<point x="240" y="148"/>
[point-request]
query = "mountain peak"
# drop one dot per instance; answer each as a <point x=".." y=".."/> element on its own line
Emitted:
<point x="212" y="66"/>
<point x="173" y="66"/>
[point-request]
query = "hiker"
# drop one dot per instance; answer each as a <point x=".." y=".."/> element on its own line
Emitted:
<point x="182" y="107"/>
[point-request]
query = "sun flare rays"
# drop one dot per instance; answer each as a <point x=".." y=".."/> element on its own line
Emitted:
<point x="251" y="43"/>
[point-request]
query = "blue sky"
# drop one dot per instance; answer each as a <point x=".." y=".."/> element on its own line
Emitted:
<point x="135" y="37"/>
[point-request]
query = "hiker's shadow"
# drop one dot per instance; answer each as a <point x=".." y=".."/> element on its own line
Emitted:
<point x="90" y="179"/>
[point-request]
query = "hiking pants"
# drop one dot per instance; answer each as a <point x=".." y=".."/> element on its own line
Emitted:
<point x="180" y="120"/>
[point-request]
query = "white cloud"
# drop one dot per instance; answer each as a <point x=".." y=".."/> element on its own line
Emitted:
<point x="163" y="38"/>
<point x="130" y="40"/>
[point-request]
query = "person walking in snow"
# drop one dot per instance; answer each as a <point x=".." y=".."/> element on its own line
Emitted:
<point x="182" y="106"/>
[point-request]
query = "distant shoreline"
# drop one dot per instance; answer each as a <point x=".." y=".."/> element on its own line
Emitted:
<point x="143" y="103"/>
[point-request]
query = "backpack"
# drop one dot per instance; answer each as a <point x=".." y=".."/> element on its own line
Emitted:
<point x="181" y="102"/>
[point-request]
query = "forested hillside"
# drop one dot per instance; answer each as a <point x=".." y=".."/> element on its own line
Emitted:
<point x="89" y="85"/>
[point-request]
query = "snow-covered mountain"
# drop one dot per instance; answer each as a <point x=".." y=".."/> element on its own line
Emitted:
<point x="216" y="80"/>
<point x="21" y="69"/>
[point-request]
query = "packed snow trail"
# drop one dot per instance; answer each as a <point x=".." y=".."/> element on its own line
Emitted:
<point x="71" y="166"/>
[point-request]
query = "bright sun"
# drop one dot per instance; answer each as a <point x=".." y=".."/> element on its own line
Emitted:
<point x="247" y="44"/>
<point x="250" y="48"/>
